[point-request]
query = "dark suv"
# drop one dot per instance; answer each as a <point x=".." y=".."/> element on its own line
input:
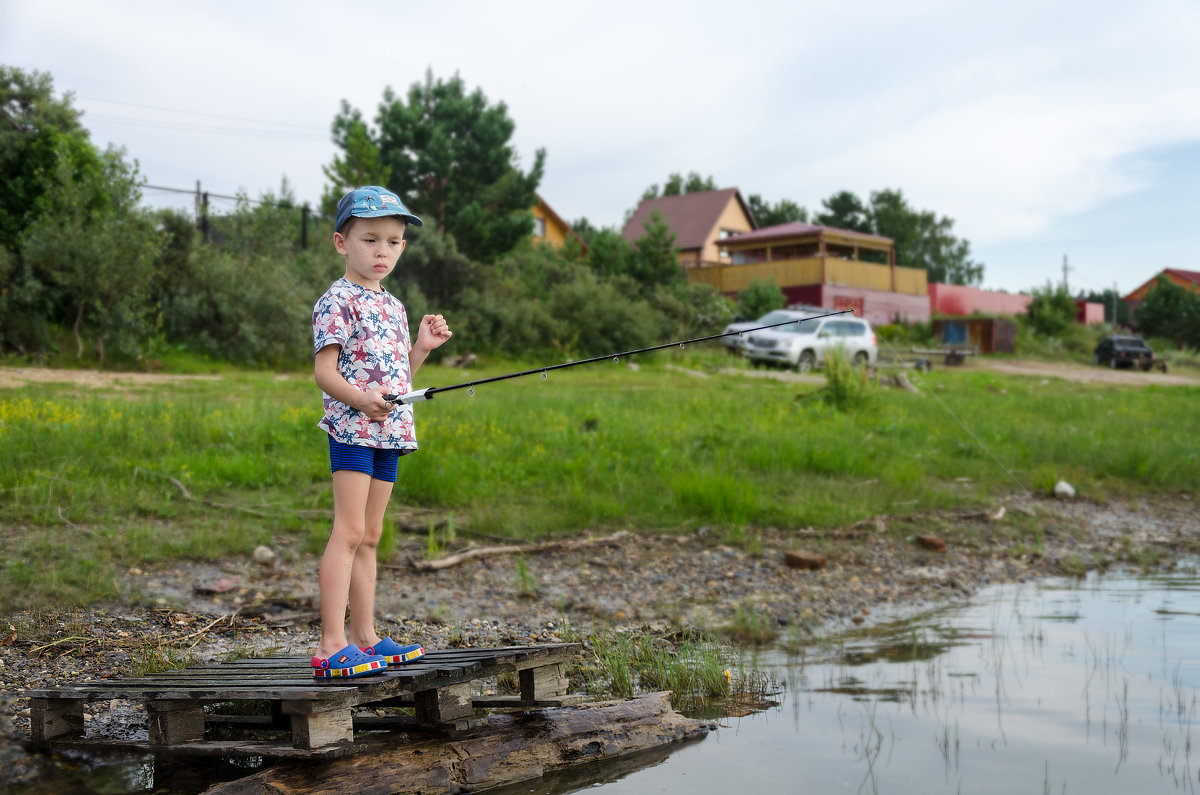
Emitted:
<point x="1122" y="352"/>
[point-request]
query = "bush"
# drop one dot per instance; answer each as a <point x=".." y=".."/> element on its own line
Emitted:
<point x="760" y="298"/>
<point x="1052" y="310"/>
<point x="847" y="387"/>
<point x="1172" y="312"/>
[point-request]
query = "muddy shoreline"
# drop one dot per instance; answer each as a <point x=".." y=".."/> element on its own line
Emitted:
<point x="876" y="571"/>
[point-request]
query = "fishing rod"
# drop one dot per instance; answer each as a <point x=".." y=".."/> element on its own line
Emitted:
<point x="428" y="392"/>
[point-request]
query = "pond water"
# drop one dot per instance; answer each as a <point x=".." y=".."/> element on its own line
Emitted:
<point x="1061" y="687"/>
<point x="1064" y="687"/>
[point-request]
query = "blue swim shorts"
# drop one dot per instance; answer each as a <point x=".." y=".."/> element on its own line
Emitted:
<point x="376" y="462"/>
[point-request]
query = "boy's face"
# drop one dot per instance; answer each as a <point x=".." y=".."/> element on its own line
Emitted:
<point x="371" y="247"/>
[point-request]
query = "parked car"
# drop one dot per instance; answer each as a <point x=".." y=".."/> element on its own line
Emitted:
<point x="805" y="345"/>
<point x="1122" y="351"/>
<point x="736" y="343"/>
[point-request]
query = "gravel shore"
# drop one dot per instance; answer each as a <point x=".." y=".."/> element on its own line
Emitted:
<point x="876" y="570"/>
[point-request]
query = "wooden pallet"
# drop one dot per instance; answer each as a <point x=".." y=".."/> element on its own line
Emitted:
<point x="319" y="714"/>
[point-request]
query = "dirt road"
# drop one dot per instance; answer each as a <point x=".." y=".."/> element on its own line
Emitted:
<point x="1083" y="374"/>
<point x="1068" y="371"/>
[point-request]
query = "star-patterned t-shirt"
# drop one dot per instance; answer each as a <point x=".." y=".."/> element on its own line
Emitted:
<point x="372" y="329"/>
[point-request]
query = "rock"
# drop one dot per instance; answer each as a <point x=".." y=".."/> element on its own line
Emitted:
<point x="463" y="360"/>
<point x="931" y="543"/>
<point x="225" y="583"/>
<point x="264" y="556"/>
<point x="1064" y="490"/>
<point x="798" y="559"/>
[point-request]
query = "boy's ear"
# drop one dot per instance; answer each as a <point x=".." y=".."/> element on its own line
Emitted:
<point x="339" y="242"/>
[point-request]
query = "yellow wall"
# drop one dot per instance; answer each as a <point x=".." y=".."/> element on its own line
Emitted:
<point x="733" y="219"/>
<point x="850" y="273"/>
<point x="796" y="272"/>
<point x="556" y="231"/>
<point x="913" y="281"/>
<point x="735" y="278"/>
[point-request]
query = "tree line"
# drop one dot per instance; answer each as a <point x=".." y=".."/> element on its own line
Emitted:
<point x="86" y="270"/>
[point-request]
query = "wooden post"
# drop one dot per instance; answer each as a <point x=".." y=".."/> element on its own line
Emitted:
<point x="55" y="717"/>
<point x="316" y="724"/>
<point x="175" y="722"/>
<point x="542" y="683"/>
<point x="444" y="704"/>
<point x="821" y="249"/>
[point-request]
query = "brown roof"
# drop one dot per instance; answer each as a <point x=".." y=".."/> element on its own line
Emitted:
<point x="1191" y="276"/>
<point x="1187" y="276"/>
<point x="691" y="216"/>
<point x="793" y="229"/>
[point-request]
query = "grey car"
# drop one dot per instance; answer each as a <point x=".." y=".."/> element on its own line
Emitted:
<point x="1122" y="351"/>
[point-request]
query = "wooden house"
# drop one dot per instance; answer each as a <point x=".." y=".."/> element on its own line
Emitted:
<point x="825" y="267"/>
<point x="699" y="222"/>
<point x="1189" y="280"/>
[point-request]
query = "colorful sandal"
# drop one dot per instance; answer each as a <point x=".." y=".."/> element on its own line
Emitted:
<point x="350" y="661"/>
<point x="394" y="653"/>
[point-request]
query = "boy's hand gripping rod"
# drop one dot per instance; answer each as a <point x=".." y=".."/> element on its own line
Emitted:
<point x="428" y="392"/>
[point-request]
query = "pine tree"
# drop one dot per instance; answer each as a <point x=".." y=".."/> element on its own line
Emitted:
<point x="447" y="153"/>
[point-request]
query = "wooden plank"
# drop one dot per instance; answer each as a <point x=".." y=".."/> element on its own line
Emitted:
<point x="320" y="729"/>
<point x="175" y="722"/>
<point x="443" y="704"/>
<point x="49" y="718"/>
<point x="543" y="682"/>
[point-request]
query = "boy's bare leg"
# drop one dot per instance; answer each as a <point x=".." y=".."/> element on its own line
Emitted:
<point x="350" y="499"/>
<point x="362" y="577"/>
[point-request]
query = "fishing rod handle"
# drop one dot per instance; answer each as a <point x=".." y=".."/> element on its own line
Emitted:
<point x="409" y="398"/>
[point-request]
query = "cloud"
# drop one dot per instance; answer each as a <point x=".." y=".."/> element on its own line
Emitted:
<point x="1007" y="118"/>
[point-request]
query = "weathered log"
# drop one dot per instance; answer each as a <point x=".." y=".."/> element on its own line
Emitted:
<point x="506" y="750"/>
<point x="510" y="549"/>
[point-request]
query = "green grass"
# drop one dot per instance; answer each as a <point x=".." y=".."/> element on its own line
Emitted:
<point x="95" y="481"/>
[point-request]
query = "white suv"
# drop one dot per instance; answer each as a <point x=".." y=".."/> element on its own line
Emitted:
<point x="736" y="343"/>
<point x="804" y="345"/>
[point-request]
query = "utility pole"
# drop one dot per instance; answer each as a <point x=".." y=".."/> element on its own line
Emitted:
<point x="1066" y="268"/>
<point x="1114" y="305"/>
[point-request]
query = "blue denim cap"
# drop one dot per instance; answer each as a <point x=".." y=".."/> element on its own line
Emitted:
<point x="372" y="201"/>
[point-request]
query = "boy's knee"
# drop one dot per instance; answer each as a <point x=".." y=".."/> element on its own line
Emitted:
<point x="349" y="535"/>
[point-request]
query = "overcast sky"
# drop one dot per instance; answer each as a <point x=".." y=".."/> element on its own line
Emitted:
<point x="1042" y="128"/>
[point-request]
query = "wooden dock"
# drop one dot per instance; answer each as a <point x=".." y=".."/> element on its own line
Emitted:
<point x="319" y="715"/>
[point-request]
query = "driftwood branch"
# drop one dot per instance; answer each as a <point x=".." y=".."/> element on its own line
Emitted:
<point x="187" y="495"/>
<point x="511" y="549"/>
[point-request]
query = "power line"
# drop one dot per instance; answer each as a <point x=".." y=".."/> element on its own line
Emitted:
<point x="211" y="195"/>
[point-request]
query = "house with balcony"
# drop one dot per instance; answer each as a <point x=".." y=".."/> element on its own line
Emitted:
<point x="699" y="221"/>
<point x="822" y="266"/>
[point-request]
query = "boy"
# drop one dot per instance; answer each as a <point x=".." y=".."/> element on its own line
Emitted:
<point x="363" y="352"/>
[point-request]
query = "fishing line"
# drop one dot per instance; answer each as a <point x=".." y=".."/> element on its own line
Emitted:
<point x="428" y="392"/>
<point x="1026" y="492"/>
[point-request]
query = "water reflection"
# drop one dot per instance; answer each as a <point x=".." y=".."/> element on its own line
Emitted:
<point x="1068" y="686"/>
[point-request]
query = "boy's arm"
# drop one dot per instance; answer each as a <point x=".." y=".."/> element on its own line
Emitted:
<point x="432" y="332"/>
<point x="333" y="384"/>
